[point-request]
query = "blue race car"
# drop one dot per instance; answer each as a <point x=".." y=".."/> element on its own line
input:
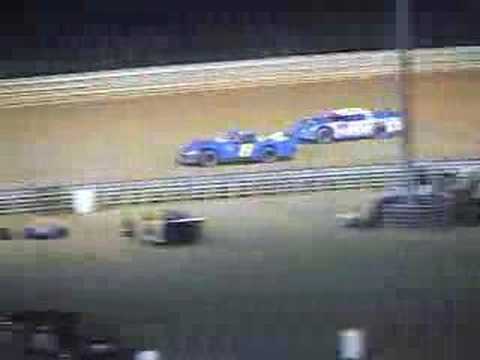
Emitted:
<point x="237" y="146"/>
<point x="346" y="123"/>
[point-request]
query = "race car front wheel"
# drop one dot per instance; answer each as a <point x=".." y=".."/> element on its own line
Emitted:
<point x="208" y="158"/>
<point x="324" y="136"/>
<point x="269" y="155"/>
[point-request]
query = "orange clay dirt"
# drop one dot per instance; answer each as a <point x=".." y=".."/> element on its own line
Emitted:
<point x="137" y="138"/>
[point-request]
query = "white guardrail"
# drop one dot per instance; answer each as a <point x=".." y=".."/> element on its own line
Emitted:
<point x="225" y="75"/>
<point x="60" y="198"/>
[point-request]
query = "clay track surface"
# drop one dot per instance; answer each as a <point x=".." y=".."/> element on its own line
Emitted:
<point x="137" y="138"/>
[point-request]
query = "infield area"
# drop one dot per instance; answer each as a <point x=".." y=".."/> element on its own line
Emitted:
<point x="272" y="278"/>
<point x="137" y="138"/>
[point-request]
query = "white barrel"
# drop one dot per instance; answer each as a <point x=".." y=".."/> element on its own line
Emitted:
<point x="148" y="355"/>
<point x="352" y="344"/>
<point x="84" y="201"/>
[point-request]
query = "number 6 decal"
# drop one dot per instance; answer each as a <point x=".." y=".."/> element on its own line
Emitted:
<point x="246" y="150"/>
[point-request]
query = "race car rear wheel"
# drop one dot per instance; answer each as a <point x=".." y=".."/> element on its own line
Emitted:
<point x="380" y="132"/>
<point x="269" y="155"/>
<point x="324" y="136"/>
<point x="208" y="158"/>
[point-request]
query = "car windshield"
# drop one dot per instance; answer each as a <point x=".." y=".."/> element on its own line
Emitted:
<point x="232" y="135"/>
<point x="336" y="117"/>
<point x="387" y="113"/>
<point x="300" y="124"/>
<point x="240" y="136"/>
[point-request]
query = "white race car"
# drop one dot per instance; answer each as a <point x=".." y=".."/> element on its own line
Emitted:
<point x="346" y="123"/>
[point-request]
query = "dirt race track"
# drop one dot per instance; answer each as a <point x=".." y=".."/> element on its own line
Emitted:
<point x="137" y="138"/>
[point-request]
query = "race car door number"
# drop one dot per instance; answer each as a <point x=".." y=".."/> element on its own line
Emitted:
<point x="246" y="150"/>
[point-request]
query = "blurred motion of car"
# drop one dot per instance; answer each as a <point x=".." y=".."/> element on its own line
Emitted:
<point x="346" y="123"/>
<point x="237" y="146"/>
<point x="45" y="228"/>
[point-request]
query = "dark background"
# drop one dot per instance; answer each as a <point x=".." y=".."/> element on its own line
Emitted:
<point x="54" y="36"/>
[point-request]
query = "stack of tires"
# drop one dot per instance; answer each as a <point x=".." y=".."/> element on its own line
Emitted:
<point x="415" y="211"/>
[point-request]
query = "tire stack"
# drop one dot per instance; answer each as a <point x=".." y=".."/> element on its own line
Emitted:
<point x="418" y="211"/>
